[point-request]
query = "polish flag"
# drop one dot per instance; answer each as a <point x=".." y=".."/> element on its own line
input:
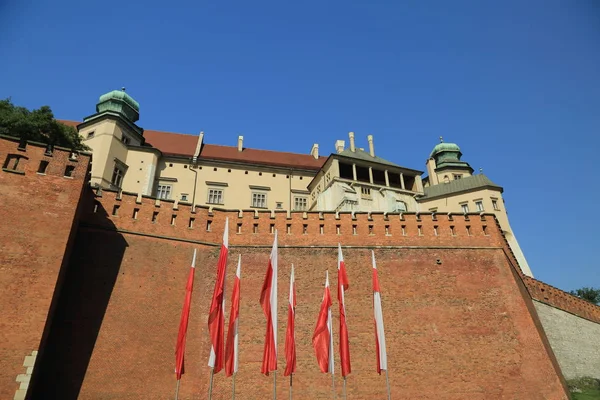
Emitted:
<point x="216" y="316"/>
<point x="322" y="339"/>
<point x="343" y="285"/>
<point x="231" y="347"/>
<point x="183" y="323"/>
<point x="379" y="332"/>
<point x="268" y="300"/>
<point x="290" y="336"/>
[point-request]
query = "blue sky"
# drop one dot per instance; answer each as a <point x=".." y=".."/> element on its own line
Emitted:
<point x="516" y="84"/>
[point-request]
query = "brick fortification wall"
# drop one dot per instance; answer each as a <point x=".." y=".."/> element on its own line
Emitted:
<point x="37" y="214"/>
<point x="459" y="321"/>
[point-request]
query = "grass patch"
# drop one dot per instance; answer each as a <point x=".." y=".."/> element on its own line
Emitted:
<point x="584" y="388"/>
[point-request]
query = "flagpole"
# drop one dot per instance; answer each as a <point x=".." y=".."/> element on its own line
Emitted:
<point x="212" y="372"/>
<point x="387" y="380"/>
<point x="177" y="389"/>
<point x="275" y="385"/>
<point x="333" y="385"/>
<point x="233" y="390"/>
<point x="291" y="386"/>
<point x="344" y="388"/>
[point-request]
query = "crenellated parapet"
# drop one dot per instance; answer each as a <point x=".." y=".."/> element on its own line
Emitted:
<point x="20" y="157"/>
<point x="133" y="213"/>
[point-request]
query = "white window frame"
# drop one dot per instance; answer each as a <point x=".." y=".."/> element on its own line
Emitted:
<point x="259" y="200"/>
<point x="464" y="207"/>
<point x="479" y="205"/>
<point x="457" y="176"/>
<point x="164" y="191"/>
<point x="215" y="196"/>
<point x="184" y="196"/>
<point x="300" y="203"/>
<point x="495" y="204"/>
<point x="117" y="176"/>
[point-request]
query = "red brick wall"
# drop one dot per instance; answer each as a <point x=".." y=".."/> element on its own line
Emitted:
<point x="461" y="328"/>
<point x="37" y="213"/>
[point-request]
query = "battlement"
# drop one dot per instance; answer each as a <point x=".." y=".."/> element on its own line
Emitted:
<point x="560" y="299"/>
<point x="182" y="221"/>
<point x="21" y="157"/>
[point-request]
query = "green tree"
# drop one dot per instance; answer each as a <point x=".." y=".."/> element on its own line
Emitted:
<point x="587" y="293"/>
<point x="37" y="125"/>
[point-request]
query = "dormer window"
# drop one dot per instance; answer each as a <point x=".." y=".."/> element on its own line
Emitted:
<point x="125" y="139"/>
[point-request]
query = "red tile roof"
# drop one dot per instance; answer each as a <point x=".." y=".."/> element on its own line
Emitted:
<point x="170" y="143"/>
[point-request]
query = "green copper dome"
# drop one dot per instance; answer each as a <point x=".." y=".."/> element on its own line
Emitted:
<point x="440" y="147"/>
<point x="119" y="102"/>
<point x="120" y="95"/>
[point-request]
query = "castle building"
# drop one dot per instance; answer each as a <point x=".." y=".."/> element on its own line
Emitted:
<point x="184" y="168"/>
<point x="93" y="277"/>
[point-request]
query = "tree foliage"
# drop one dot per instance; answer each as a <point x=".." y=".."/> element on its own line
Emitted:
<point x="587" y="293"/>
<point x="37" y="125"/>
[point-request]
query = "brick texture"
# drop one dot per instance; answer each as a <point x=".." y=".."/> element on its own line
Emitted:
<point x="38" y="217"/>
<point x="459" y="322"/>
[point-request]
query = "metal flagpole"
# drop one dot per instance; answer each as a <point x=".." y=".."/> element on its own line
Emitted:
<point x="333" y="385"/>
<point x="291" y="386"/>
<point x="233" y="390"/>
<point x="177" y="389"/>
<point x="212" y="372"/>
<point x="344" y="388"/>
<point x="275" y="385"/>
<point x="387" y="380"/>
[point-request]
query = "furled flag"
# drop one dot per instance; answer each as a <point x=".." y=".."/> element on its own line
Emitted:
<point x="379" y="331"/>
<point x="290" y="336"/>
<point x="322" y="339"/>
<point x="216" y="316"/>
<point x="268" y="300"/>
<point x="231" y="347"/>
<point x="183" y="323"/>
<point x="343" y="285"/>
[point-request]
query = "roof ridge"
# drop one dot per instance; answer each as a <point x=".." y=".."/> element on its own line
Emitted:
<point x="270" y="151"/>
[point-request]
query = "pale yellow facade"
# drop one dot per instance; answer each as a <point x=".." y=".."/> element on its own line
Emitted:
<point x="351" y="179"/>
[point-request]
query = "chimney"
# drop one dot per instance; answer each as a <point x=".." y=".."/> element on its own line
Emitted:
<point x="315" y="151"/>
<point x="351" y="136"/>
<point x="371" y="147"/>
<point x="240" y="143"/>
<point x="339" y="146"/>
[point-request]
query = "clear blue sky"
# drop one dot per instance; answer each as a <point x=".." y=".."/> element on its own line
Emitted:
<point x="516" y="84"/>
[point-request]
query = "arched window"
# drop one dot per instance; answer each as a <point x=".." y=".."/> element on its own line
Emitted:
<point x="446" y="179"/>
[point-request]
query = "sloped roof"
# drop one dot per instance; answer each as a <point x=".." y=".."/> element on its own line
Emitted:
<point x="467" y="184"/>
<point x="364" y="156"/>
<point x="179" y="144"/>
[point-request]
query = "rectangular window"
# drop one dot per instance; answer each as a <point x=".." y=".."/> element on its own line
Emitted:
<point x="479" y="205"/>
<point x="90" y="135"/>
<point x="495" y="204"/>
<point x="69" y="171"/>
<point x="164" y="192"/>
<point x="125" y="139"/>
<point x="117" y="176"/>
<point x="365" y="190"/>
<point x="184" y="197"/>
<point x="300" y="203"/>
<point x="215" y="196"/>
<point x="465" y="208"/>
<point x="259" y="200"/>
<point x="457" y="176"/>
<point x="43" y="167"/>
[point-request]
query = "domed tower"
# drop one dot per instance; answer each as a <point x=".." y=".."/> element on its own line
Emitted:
<point x="113" y="135"/>
<point x="444" y="164"/>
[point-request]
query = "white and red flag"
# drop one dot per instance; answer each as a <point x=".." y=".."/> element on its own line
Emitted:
<point x="290" y="336"/>
<point x="322" y="339"/>
<point x="231" y="347"/>
<point x="183" y="323"/>
<point x="268" y="301"/>
<point x="379" y="331"/>
<point x="343" y="285"/>
<point x="216" y="316"/>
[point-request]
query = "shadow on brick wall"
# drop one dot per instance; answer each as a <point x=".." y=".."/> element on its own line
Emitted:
<point x="86" y="290"/>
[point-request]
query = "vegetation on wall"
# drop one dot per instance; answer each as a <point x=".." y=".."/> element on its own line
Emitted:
<point x="584" y="388"/>
<point x="38" y="125"/>
<point x="588" y="294"/>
